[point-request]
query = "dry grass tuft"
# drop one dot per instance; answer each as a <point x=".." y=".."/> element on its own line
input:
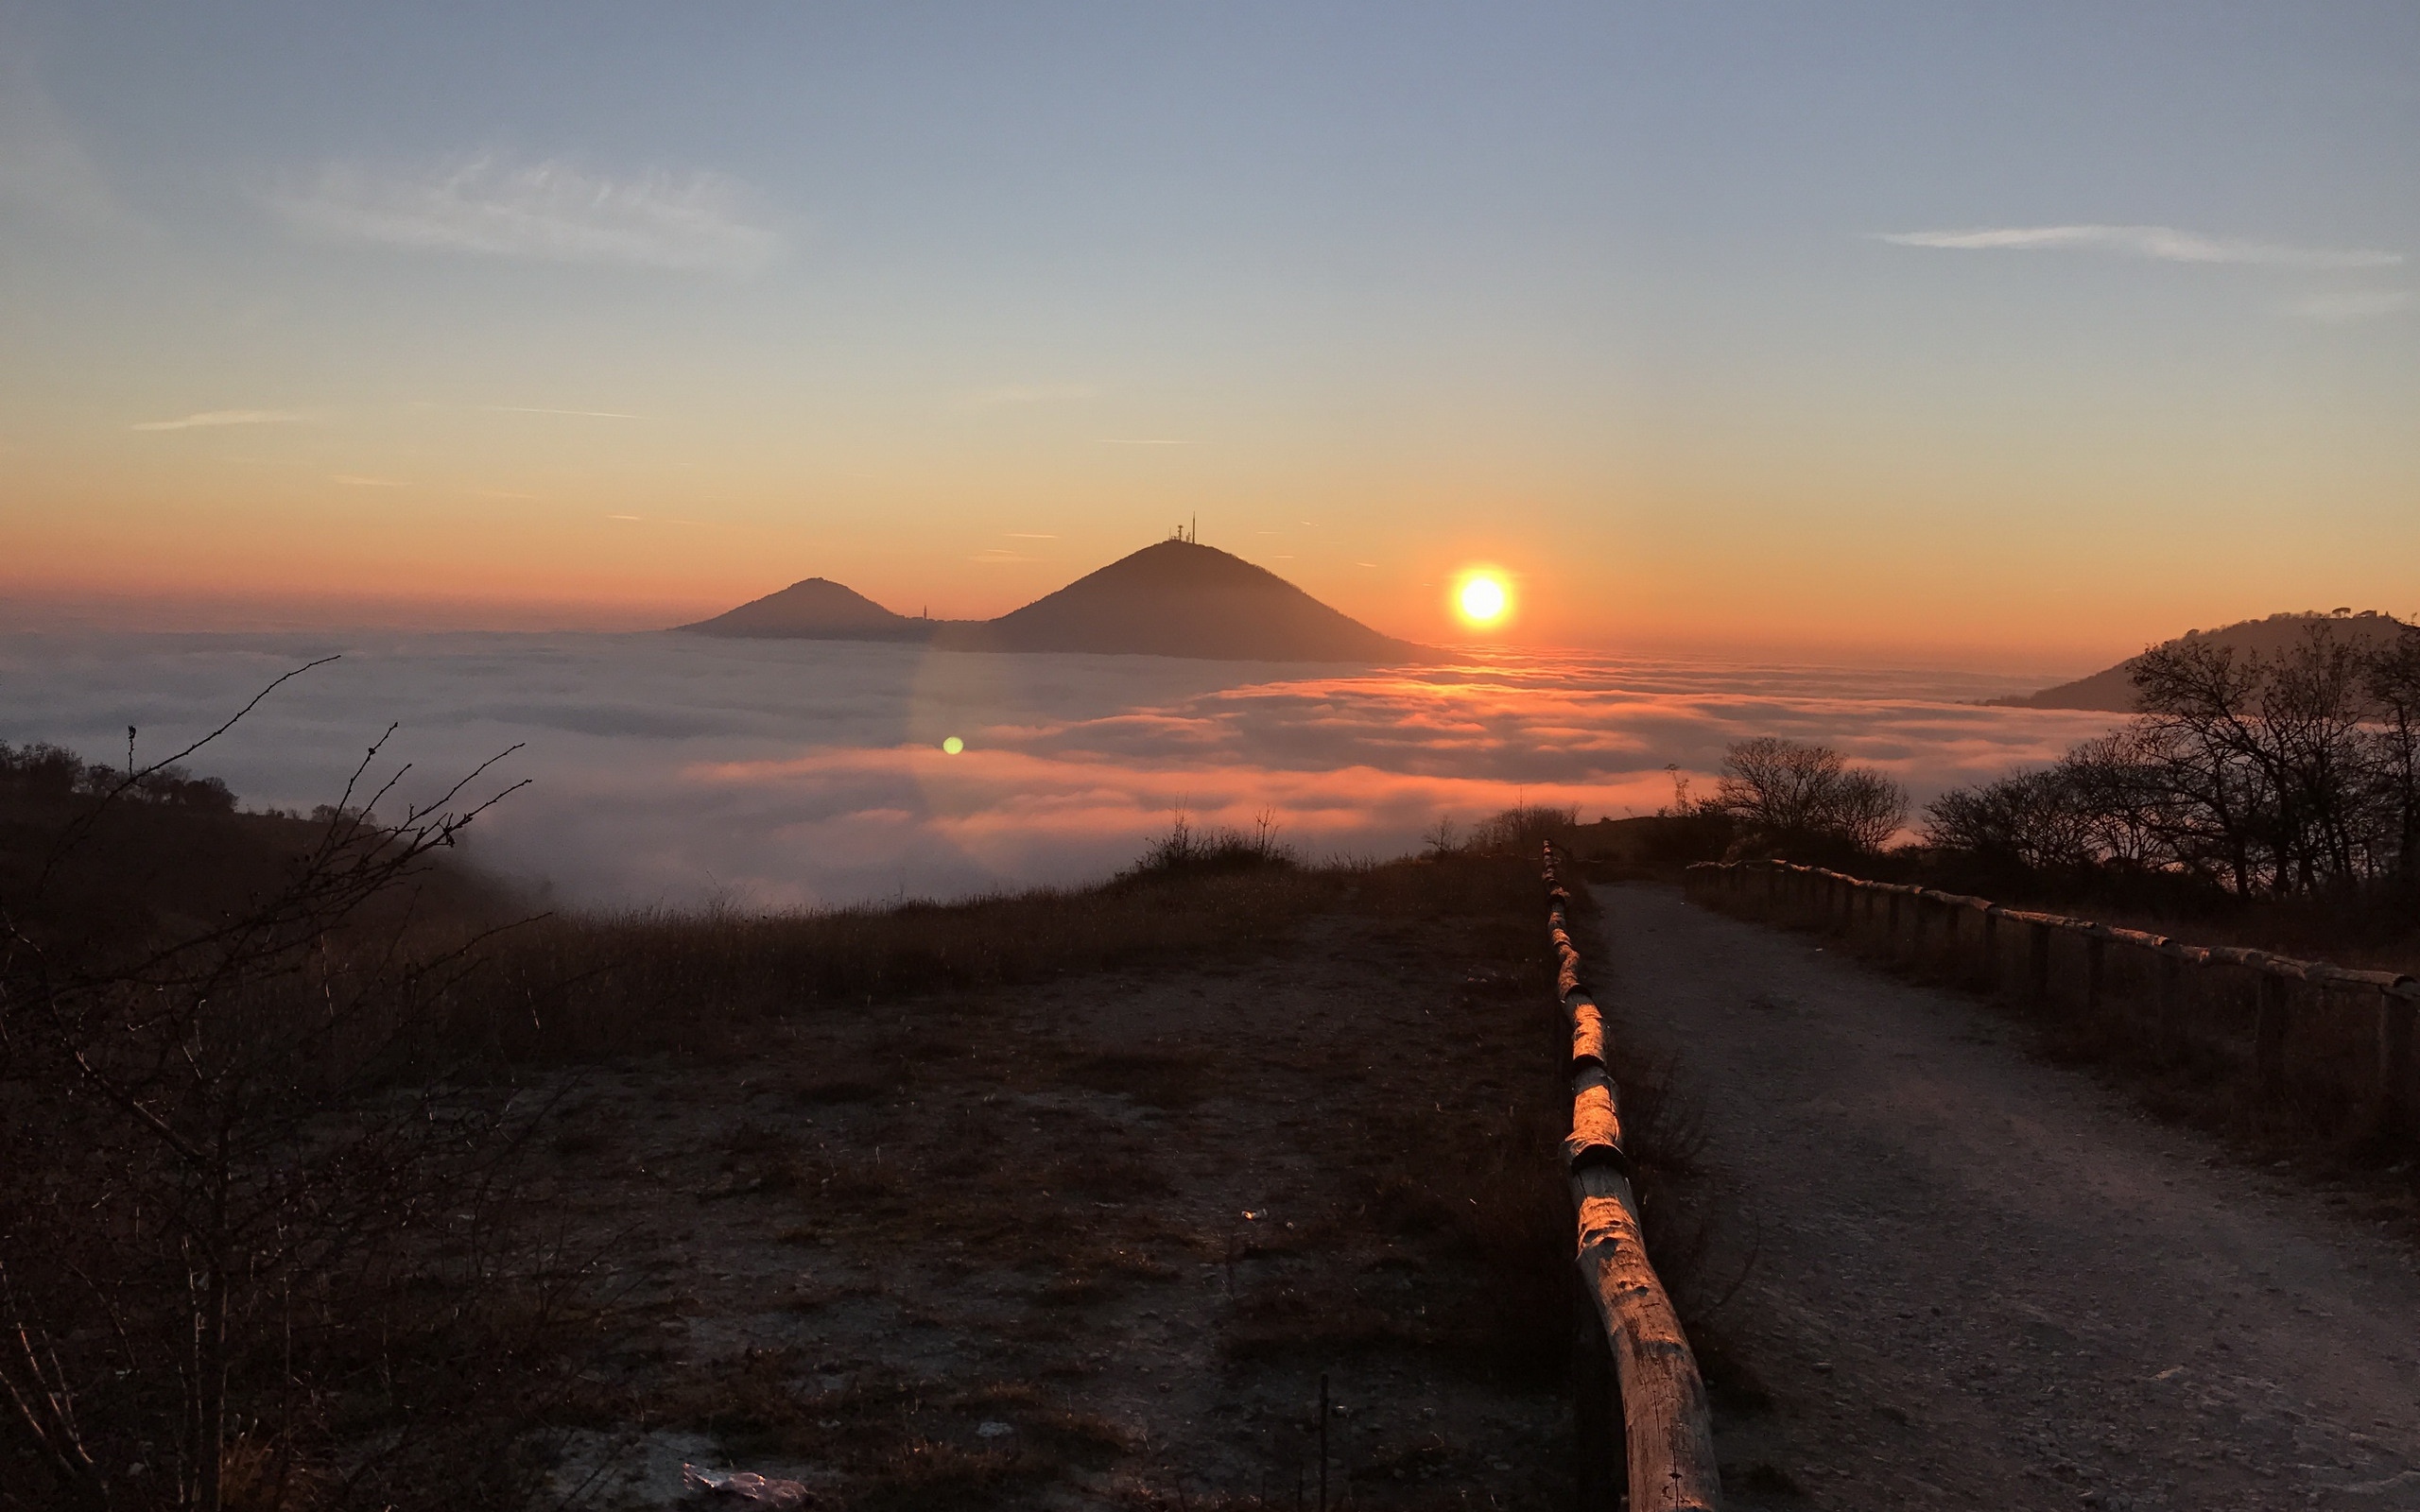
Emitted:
<point x="1158" y="1079"/>
<point x="716" y="982"/>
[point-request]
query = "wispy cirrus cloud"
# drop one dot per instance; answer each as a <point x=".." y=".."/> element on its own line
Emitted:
<point x="44" y="167"/>
<point x="543" y="210"/>
<point x="543" y="409"/>
<point x="2160" y="243"/>
<point x="2342" y="306"/>
<point x="209" y="417"/>
<point x="1035" y="394"/>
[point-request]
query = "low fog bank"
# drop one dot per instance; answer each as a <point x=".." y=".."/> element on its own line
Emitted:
<point x="666" y="770"/>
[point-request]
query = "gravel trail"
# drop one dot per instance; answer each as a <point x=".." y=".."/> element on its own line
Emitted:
<point x="1987" y="1282"/>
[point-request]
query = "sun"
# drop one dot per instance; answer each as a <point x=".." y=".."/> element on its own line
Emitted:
<point x="1481" y="598"/>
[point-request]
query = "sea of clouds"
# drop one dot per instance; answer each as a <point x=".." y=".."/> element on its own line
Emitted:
<point x="677" y="769"/>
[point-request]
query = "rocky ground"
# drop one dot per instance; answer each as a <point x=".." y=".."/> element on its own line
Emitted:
<point x="1097" y="1242"/>
<point x="1967" y="1278"/>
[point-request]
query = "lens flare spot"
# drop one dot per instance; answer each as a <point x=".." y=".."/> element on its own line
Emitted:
<point x="952" y="745"/>
<point x="1481" y="598"/>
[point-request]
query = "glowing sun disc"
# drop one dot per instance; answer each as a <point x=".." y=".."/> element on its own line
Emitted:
<point x="1481" y="599"/>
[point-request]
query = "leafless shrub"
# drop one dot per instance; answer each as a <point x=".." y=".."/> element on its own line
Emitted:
<point x="251" y="1252"/>
<point x="714" y="983"/>
<point x="1187" y="852"/>
<point x="1520" y="832"/>
<point x="1785" y="795"/>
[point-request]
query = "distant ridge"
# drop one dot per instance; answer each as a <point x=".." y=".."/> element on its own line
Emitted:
<point x="2112" y="689"/>
<point x="1173" y="598"/>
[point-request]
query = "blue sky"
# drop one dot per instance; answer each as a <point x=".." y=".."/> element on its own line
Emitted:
<point x="951" y="302"/>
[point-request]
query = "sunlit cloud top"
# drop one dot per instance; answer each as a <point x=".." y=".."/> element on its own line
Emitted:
<point x="677" y="768"/>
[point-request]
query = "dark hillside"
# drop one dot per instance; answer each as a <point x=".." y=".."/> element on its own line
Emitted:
<point x="169" y="859"/>
<point x="2112" y="689"/>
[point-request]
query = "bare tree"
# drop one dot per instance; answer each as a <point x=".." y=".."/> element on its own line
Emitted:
<point x="1784" y="794"/>
<point x="2029" y="820"/>
<point x="1521" y="830"/>
<point x="228" y="1156"/>
<point x="2289" y="774"/>
<point x="2266" y="756"/>
<point x="2392" y="681"/>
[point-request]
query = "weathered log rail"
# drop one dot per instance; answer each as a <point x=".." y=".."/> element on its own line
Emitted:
<point x="2330" y="1038"/>
<point x="1659" y="1413"/>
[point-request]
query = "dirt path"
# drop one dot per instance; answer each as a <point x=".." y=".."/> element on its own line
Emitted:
<point x="1987" y="1282"/>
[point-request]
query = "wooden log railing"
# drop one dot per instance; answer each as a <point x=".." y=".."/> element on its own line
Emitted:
<point x="2355" y="1028"/>
<point x="1659" y="1413"/>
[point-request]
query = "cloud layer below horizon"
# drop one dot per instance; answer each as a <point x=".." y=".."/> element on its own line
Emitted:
<point x="672" y="770"/>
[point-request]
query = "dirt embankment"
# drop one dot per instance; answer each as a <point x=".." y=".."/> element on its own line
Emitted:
<point x="1983" y="1280"/>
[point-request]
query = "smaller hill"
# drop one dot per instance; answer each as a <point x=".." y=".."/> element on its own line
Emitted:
<point x="817" y="609"/>
<point x="2111" y="688"/>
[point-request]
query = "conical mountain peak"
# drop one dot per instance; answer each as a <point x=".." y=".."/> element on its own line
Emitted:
<point x="1171" y="599"/>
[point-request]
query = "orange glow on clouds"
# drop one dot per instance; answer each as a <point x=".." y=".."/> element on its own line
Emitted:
<point x="674" y="768"/>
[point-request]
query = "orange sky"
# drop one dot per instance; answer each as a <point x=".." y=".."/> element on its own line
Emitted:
<point x="235" y="526"/>
<point x="1784" y="349"/>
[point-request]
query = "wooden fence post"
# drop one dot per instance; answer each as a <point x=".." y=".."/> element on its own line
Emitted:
<point x="1664" y="1423"/>
<point x="2396" y="1013"/>
<point x="1596" y="1408"/>
<point x="2268" y="1034"/>
<point x="2172" y="1001"/>
<point x="2387" y="1107"/>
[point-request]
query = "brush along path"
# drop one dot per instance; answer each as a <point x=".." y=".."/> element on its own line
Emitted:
<point x="1984" y="1280"/>
<point x="1094" y="1241"/>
